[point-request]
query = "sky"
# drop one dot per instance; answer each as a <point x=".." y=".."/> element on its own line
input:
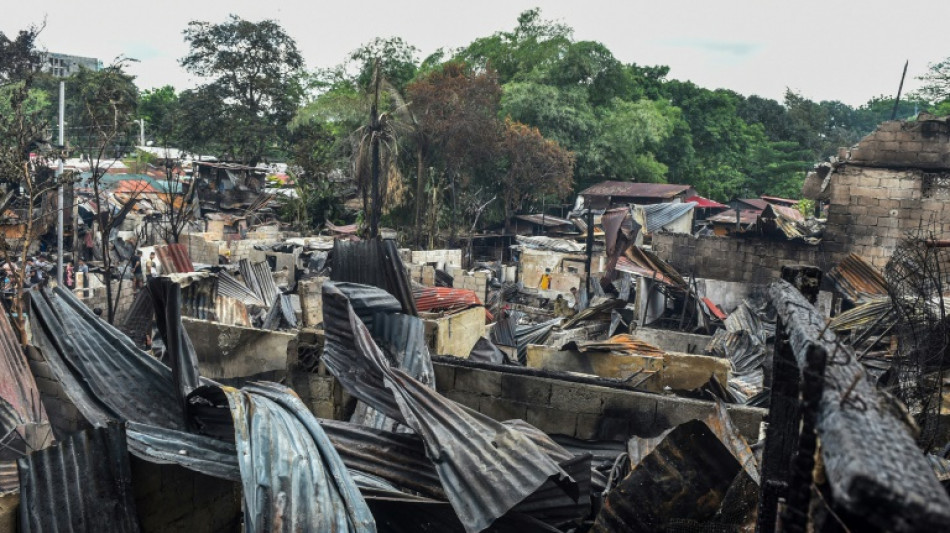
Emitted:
<point x="826" y="50"/>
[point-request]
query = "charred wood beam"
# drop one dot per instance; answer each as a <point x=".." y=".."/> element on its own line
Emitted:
<point x="875" y="469"/>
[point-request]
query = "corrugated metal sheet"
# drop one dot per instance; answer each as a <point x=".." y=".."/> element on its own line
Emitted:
<point x="174" y="259"/>
<point x="398" y="458"/>
<point x="265" y="281"/>
<point x="231" y="311"/>
<point x="280" y="315"/>
<point x="873" y="311"/>
<point x="550" y="244"/>
<point x="445" y="299"/>
<point x="485" y="467"/>
<point x="136" y="323"/>
<point x="368" y="301"/>
<point x="746" y="217"/>
<point x="658" y="216"/>
<point x="545" y="220"/>
<point x="166" y="296"/>
<point x="635" y="190"/>
<point x="375" y="263"/>
<point x="23" y="419"/>
<point x="228" y="285"/>
<point x="646" y="264"/>
<point x="81" y="484"/>
<point x="109" y="379"/>
<point x="293" y="478"/>
<point x="857" y="280"/>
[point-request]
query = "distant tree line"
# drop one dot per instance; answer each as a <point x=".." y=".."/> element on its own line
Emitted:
<point x="515" y="121"/>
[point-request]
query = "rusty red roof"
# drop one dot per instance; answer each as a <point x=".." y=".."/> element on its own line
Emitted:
<point x="747" y="216"/>
<point x="174" y="259"/>
<point x="446" y="299"/>
<point x="635" y="190"/>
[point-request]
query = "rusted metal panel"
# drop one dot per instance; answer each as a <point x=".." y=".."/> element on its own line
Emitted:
<point x="81" y="484"/>
<point x="857" y="280"/>
<point x="485" y="467"/>
<point x="231" y="311"/>
<point x="293" y="477"/>
<point x="174" y="259"/>
<point x="445" y="299"/>
<point x="23" y="419"/>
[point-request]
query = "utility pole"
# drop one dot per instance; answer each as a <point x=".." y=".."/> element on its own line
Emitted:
<point x="59" y="178"/>
<point x="141" y="132"/>
<point x="900" y="89"/>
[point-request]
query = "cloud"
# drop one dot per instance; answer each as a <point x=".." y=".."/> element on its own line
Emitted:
<point x="734" y="49"/>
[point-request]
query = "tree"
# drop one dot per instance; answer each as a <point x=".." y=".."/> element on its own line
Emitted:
<point x="254" y="70"/>
<point x="22" y="125"/>
<point x="456" y="126"/>
<point x="107" y="100"/>
<point x="936" y="87"/>
<point x="534" y="166"/>
<point x="162" y="112"/>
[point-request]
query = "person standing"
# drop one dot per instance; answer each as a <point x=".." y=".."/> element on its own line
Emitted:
<point x="137" y="270"/>
<point x="545" y="280"/>
<point x="152" y="266"/>
<point x="70" y="282"/>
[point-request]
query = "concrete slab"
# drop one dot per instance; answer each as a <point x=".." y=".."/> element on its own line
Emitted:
<point x="233" y="351"/>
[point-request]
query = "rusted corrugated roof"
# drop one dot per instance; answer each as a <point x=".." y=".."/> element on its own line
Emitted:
<point x="430" y="299"/>
<point x="643" y="263"/>
<point x="857" y="280"/>
<point x="635" y="190"/>
<point x="746" y="217"/>
<point x="478" y="456"/>
<point x="174" y="259"/>
<point x="81" y="484"/>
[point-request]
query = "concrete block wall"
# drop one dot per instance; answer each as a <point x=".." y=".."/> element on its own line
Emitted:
<point x="321" y="393"/>
<point x="96" y="298"/>
<point x="575" y="409"/>
<point x="441" y="258"/>
<point x="170" y="498"/>
<point x="872" y="209"/>
<point x="244" y="249"/>
<point x="924" y="143"/>
<point x="746" y="260"/>
<point x="201" y="249"/>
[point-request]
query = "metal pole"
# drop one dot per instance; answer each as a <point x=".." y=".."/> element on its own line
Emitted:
<point x="590" y="249"/>
<point x="59" y="176"/>
<point x="141" y="132"/>
<point x="900" y="88"/>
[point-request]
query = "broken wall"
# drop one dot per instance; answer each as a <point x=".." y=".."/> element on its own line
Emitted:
<point x="233" y="351"/>
<point x="746" y="260"/>
<point x="580" y="410"/>
<point x="455" y="333"/>
<point x="200" y="248"/>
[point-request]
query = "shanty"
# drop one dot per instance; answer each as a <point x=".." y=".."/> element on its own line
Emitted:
<point x="513" y="284"/>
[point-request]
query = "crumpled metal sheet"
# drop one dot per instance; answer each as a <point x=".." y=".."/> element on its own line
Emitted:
<point x="228" y="285"/>
<point x="445" y="299"/>
<point x="81" y="484"/>
<point x="549" y="244"/>
<point x="397" y="458"/>
<point x="746" y="354"/>
<point x="403" y="339"/>
<point x="280" y="315"/>
<point x="109" y="379"/>
<point x="684" y="477"/>
<point x="485" y="467"/>
<point x="200" y="453"/>
<point x="166" y="296"/>
<point x="376" y="263"/>
<point x="857" y="280"/>
<point x="23" y="419"/>
<point x="174" y="259"/>
<point x="260" y="280"/>
<point x="136" y="323"/>
<point x="293" y="478"/>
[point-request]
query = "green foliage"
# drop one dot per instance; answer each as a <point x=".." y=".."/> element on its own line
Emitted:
<point x="162" y="111"/>
<point x="253" y="72"/>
